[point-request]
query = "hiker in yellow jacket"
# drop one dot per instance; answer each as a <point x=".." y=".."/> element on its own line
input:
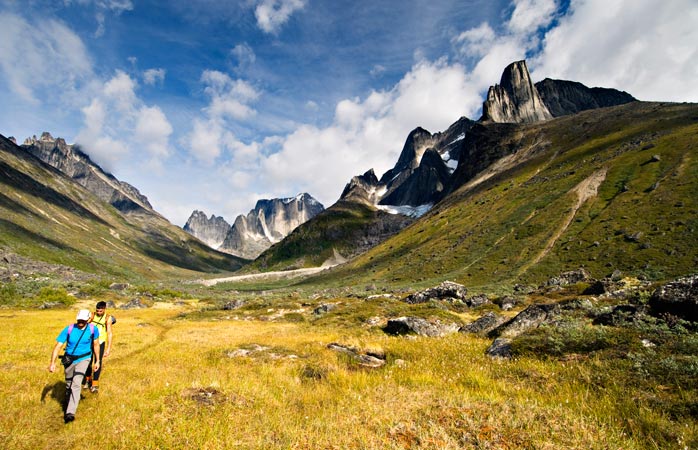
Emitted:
<point x="103" y="322"/>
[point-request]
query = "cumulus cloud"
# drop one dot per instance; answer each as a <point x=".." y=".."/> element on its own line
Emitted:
<point x="273" y="14"/>
<point x="243" y="55"/>
<point x="154" y="76"/>
<point x="229" y="101"/>
<point x="26" y="54"/>
<point x="117" y="121"/>
<point x="646" y="48"/>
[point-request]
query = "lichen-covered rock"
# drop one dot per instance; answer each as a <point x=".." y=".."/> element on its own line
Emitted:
<point x="678" y="298"/>
<point x="484" y="324"/>
<point x="422" y="327"/>
<point x="500" y="348"/>
<point x="447" y="290"/>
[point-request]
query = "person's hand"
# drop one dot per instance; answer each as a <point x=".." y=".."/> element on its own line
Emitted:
<point x="95" y="366"/>
<point x="107" y="353"/>
<point x="52" y="367"/>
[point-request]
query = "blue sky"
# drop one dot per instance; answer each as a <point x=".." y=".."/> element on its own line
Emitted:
<point x="211" y="105"/>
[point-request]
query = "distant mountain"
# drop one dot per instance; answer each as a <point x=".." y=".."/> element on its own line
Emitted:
<point x="70" y="160"/>
<point x="49" y="220"/>
<point x="269" y="222"/>
<point x="211" y="231"/>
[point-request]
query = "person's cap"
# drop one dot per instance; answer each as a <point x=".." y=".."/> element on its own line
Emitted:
<point x="83" y="314"/>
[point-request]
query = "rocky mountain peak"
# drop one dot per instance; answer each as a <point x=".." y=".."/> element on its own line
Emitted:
<point x="70" y="160"/>
<point x="564" y="97"/>
<point x="211" y="231"/>
<point x="515" y="99"/>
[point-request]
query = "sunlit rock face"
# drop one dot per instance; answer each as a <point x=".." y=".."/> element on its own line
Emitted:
<point x="515" y="99"/>
<point x="269" y="222"/>
<point x="211" y="231"/>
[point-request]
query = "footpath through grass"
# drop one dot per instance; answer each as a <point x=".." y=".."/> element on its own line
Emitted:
<point x="211" y="382"/>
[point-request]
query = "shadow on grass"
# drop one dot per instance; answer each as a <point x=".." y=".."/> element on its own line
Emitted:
<point x="57" y="392"/>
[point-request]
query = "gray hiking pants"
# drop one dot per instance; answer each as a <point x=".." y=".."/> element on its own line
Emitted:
<point x="74" y="374"/>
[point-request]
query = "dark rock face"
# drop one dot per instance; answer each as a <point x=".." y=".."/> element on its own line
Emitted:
<point x="361" y="188"/>
<point x="500" y="348"/>
<point x="70" y="160"/>
<point x="422" y="327"/>
<point x="678" y="298"/>
<point x="529" y="318"/>
<point x="569" y="97"/>
<point x="445" y="291"/>
<point x="211" y="230"/>
<point x="515" y="99"/>
<point x="423" y="185"/>
<point x="269" y="222"/>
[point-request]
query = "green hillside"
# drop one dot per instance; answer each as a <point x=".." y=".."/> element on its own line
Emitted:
<point x="345" y="228"/>
<point x="609" y="189"/>
<point x="47" y="217"/>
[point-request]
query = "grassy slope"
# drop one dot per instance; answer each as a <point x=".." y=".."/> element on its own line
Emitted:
<point x="642" y="221"/>
<point x="345" y="227"/>
<point x="47" y="217"/>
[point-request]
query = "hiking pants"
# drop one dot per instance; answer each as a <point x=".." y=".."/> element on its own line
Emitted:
<point x="74" y="375"/>
<point x="95" y="375"/>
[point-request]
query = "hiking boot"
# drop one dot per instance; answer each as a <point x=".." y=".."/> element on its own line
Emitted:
<point x="94" y="390"/>
<point x="69" y="418"/>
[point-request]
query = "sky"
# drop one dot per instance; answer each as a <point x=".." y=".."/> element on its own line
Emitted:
<point x="211" y="105"/>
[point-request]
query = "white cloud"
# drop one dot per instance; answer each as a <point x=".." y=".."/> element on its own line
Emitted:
<point x="272" y="14"/>
<point x="530" y="15"/>
<point x="117" y="121"/>
<point x="229" y="100"/>
<point x="647" y="48"/>
<point x="244" y="55"/>
<point x="154" y="76"/>
<point x="153" y="132"/>
<point x="34" y="63"/>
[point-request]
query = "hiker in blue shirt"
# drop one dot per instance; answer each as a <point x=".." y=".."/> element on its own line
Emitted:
<point x="81" y="344"/>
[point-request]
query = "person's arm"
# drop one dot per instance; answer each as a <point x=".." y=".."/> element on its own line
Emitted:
<point x="95" y="355"/>
<point x="107" y="351"/>
<point x="54" y="355"/>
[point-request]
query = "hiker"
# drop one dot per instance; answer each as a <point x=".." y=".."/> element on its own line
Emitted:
<point x="103" y="322"/>
<point x="81" y="343"/>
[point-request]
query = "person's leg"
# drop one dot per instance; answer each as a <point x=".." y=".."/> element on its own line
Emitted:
<point x="95" y="376"/>
<point x="73" y="380"/>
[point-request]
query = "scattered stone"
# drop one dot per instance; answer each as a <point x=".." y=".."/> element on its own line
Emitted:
<point x="655" y="158"/>
<point x="477" y="300"/>
<point x="324" y="308"/>
<point x="136" y="303"/>
<point x="500" y="348"/>
<point x="119" y="286"/>
<point x="371" y="360"/>
<point x="678" y="298"/>
<point x="568" y="278"/>
<point x="419" y="326"/>
<point x="596" y="288"/>
<point x="619" y="315"/>
<point x="50" y="305"/>
<point x="484" y="324"/>
<point x="506" y="303"/>
<point x="233" y="304"/>
<point x="447" y="290"/>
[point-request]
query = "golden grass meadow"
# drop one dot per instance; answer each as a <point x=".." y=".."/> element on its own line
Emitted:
<point x="179" y="378"/>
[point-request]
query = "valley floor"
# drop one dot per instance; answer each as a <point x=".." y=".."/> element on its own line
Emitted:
<point x="182" y="377"/>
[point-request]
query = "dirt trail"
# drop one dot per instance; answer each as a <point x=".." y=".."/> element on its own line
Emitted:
<point x="585" y="190"/>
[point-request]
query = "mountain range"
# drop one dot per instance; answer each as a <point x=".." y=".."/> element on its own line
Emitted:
<point x="269" y="222"/>
<point x="553" y="176"/>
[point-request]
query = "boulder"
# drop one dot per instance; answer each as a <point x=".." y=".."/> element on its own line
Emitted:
<point x="324" y="308"/>
<point x="233" y="304"/>
<point x="506" y="303"/>
<point x="568" y="278"/>
<point x="447" y="290"/>
<point x="678" y="298"/>
<point x="500" y="348"/>
<point x="419" y="326"/>
<point x="136" y="303"/>
<point x="484" y="324"/>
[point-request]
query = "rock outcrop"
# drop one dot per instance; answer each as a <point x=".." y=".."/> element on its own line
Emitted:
<point x="70" y="160"/>
<point x="269" y="222"/>
<point x="678" y="298"/>
<point x="563" y="97"/>
<point x="212" y="231"/>
<point x="515" y="99"/>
